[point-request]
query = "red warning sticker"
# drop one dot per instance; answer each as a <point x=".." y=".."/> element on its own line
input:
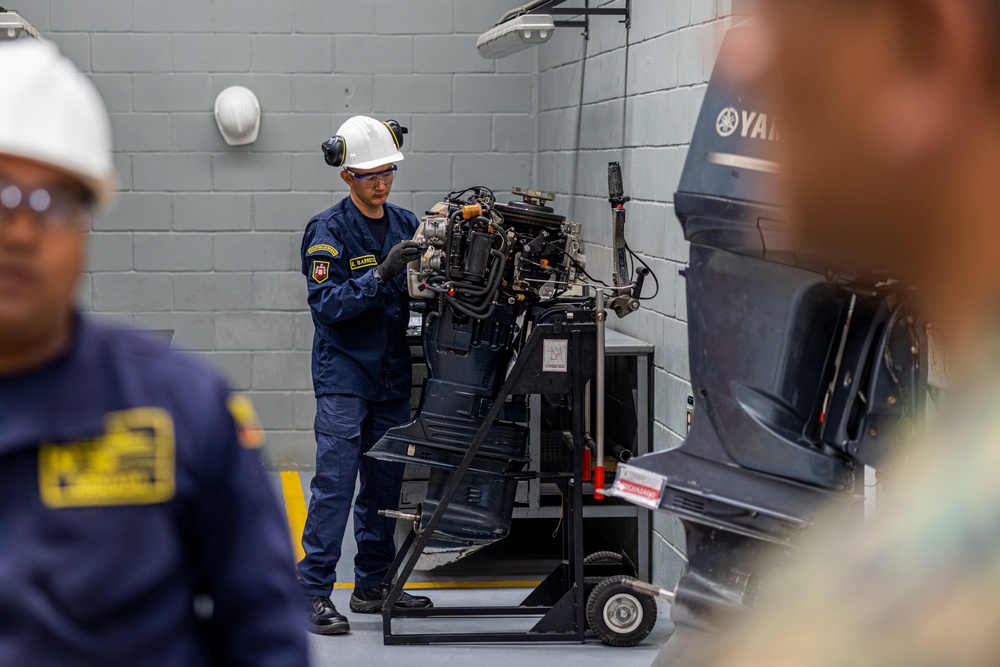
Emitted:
<point x="638" y="486"/>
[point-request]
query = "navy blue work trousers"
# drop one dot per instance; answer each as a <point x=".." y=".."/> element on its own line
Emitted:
<point x="347" y="427"/>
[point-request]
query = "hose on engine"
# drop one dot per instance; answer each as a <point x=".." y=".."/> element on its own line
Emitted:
<point x="485" y="306"/>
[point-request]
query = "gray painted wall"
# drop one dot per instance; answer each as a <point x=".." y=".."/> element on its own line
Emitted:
<point x="204" y="239"/>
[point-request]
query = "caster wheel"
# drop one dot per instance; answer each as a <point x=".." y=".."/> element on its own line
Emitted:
<point x="603" y="558"/>
<point x="618" y="615"/>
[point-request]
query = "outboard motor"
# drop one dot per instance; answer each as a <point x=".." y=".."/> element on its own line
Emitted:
<point x="484" y="266"/>
<point x="802" y="373"/>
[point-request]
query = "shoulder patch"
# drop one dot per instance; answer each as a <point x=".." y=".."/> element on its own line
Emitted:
<point x="248" y="427"/>
<point x="320" y="271"/>
<point x="363" y="261"/>
<point x="323" y="247"/>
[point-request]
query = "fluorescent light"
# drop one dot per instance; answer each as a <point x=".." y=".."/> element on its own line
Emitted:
<point x="13" y="26"/>
<point x="515" y="35"/>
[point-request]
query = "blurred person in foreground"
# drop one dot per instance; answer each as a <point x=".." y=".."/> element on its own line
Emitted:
<point x="137" y="524"/>
<point x="890" y="113"/>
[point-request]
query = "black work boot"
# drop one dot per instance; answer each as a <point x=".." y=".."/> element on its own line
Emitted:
<point x="324" y="619"/>
<point x="369" y="600"/>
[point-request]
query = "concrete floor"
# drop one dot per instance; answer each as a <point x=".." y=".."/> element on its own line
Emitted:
<point x="364" y="646"/>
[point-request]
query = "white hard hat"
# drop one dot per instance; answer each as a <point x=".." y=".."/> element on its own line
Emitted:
<point x="237" y="113"/>
<point x="368" y="143"/>
<point x="52" y="114"/>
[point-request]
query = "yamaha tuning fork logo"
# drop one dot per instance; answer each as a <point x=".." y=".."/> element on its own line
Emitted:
<point x="728" y="122"/>
<point x="749" y="124"/>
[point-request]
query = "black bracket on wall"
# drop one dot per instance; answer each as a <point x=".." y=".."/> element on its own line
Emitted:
<point x="586" y="12"/>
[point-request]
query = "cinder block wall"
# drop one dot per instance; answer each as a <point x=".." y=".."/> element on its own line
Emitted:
<point x="634" y="97"/>
<point x="205" y="237"/>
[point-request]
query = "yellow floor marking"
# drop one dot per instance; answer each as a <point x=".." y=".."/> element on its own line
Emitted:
<point x="295" y="509"/>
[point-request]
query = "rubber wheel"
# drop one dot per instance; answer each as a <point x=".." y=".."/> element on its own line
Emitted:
<point x="603" y="558"/>
<point x="618" y="615"/>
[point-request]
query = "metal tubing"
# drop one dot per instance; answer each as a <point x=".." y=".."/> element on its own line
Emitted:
<point x="394" y="514"/>
<point x="623" y="454"/>
<point x="484" y="612"/>
<point x="527" y="8"/>
<point x="599" y="390"/>
<point x="595" y="11"/>
<point x="575" y="504"/>
<point x="651" y="590"/>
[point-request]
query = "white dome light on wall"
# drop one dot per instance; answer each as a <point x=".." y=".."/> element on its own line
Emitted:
<point x="237" y="113"/>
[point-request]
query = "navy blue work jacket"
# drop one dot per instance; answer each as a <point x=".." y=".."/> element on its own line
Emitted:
<point x="127" y="492"/>
<point x="359" y="347"/>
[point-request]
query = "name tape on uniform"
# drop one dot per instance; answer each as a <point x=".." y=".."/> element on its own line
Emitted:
<point x="132" y="463"/>
<point x="363" y="261"/>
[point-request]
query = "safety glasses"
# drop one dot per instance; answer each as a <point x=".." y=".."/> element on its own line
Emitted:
<point x="385" y="176"/>
<point x="52" y="207"/>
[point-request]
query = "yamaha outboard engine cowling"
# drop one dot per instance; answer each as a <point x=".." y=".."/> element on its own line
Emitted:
<point x="801" y="375"/>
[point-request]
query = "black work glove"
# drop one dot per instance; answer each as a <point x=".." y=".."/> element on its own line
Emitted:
<point x="401" y="254"/>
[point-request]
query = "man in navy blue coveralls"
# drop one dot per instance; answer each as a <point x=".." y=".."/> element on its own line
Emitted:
<point x="137" y="523"/>
<point x="353" y="256"/>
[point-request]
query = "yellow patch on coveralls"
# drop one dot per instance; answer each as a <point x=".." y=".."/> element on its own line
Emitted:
<point x="132" y="463"/>
<point x="363" y="261"/>
<point x="249" y="430"/>
<point x="320" y="271"/>
<point x="323" y="247"/>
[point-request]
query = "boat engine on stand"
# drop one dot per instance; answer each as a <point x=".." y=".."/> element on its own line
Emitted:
<point x="501" y="323"/>
<point x="484" y="266"/>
